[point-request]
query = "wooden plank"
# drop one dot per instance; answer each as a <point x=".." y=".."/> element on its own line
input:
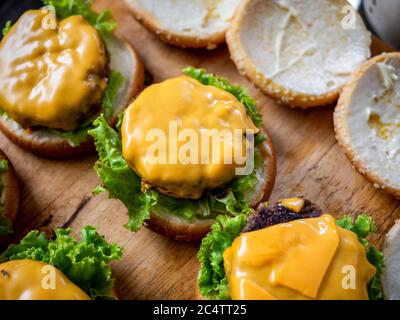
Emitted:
<point x="310" y="163"/>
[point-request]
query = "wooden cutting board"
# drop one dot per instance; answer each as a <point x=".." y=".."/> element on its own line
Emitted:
<point x="57" y="193"/>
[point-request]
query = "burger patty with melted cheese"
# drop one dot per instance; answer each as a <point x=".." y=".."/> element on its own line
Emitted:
<point x="291" y="251"/>
<point x="52" y="77"/>
<point x="184" y="106"/>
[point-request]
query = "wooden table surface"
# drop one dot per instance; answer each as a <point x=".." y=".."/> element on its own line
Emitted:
<point x="57" y="193"/>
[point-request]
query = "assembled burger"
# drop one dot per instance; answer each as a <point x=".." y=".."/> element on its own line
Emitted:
<point x="58" y="72"/>
<point x="157" y="165"/>
<point x="290" y="251"/>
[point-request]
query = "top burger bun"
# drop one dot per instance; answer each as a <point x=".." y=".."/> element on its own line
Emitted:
<point x="300" y="53"/>
<point x="191" y="24"/>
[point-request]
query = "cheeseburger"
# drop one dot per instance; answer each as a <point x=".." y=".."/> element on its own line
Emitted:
<point x="290" y="251"/>
<point x="174" y="160"/>
<point x="60" y="67"/>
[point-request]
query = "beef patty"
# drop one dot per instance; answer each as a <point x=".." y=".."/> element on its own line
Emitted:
<point x="274" y="214"/>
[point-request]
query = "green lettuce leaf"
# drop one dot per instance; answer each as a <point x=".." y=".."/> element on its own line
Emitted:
<point x="84" y="262"/>
<point x="240" y="93"/>
<point x="103" y="21"/>
<point x="3" y="166"/>
<point x="110" y="95"/>
<point x="117" y="178"/>
<point x="364" y="226"/>
<point x="5" y="223"/>
<point x="7" y="27"/>
<point x="212" y="280"/>
<point x="184" y="208"/>
<point x="76" y="137"/>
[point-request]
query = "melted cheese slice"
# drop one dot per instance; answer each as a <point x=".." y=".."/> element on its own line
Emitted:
<point x="294" y="204"/>
<point x="184" y="105"/>
<point x="32" y="280"/>
<point x="51" y="77"/>
<point x="302" y="259"/>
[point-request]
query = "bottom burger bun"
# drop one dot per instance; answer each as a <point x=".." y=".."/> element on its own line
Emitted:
<point x="391" y="274"/>
<point x="43" y="142"/>
<point x="180" y="229"/>
<point x="9" y="198"/>
<point x="10" y="195"/>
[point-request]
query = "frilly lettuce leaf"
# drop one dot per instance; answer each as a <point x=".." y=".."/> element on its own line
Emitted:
<point x="364" y="226"/>
<point x="117" y="178"/>
<point x="110" y="95"/>
<point x="212" y="280"/>
<point x="103" y="21"/>
<point x="84" y="262"/>
<point x="76" y="137"/>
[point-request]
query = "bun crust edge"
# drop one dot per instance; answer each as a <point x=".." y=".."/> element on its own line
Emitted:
<point x="342" y="131"/>
<point x="277" y="92"/>
<point x="173" y="38"/>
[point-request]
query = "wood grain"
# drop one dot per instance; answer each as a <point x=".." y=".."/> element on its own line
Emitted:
<point x="310" y="163"/>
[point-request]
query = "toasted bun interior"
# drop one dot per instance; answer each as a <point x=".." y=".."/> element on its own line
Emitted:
<point x="193" y="24"/>
<point x="367" y="121"/>
<point x="300" y="53"/>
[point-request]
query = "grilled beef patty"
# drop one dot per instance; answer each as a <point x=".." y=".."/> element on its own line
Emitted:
<point x="274" y="214"/>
